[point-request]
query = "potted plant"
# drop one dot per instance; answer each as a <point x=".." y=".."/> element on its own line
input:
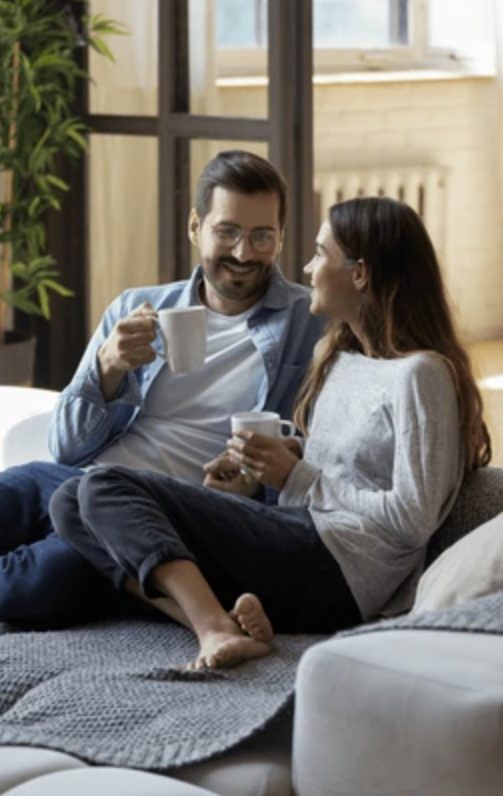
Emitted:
<point x="39" y="78"/>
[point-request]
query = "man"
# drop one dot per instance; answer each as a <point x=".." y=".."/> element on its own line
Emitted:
<point x="125" y="406"/>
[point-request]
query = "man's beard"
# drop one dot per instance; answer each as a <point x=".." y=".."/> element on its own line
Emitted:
<point x="233" y="285"/>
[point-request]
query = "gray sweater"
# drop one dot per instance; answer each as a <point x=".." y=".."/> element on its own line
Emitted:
<point x="382" y="467"/>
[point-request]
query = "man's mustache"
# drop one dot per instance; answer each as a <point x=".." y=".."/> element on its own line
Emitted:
<point x="239" y="263"/>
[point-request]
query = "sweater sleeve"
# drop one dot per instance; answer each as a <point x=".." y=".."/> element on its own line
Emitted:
<point x="427" y="463"/>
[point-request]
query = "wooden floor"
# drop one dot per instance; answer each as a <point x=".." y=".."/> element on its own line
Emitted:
<point x="487" y="359"/>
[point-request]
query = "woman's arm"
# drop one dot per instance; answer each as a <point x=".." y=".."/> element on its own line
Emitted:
<point x="426" y="471"/>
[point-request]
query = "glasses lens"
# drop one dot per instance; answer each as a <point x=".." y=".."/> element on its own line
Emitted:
<point x="226" y="236"/>
<point x="263" y="240"/>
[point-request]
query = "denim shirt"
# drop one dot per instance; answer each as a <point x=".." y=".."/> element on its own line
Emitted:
<point x="83" y="423"/>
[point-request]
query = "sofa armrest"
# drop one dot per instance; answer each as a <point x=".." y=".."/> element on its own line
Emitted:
<point x="24" y="420"/>
<point x="414" y="712"/>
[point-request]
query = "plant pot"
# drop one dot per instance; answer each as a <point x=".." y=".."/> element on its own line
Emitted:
<point x="17" y="359"/>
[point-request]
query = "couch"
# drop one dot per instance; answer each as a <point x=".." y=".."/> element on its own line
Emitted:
<point x="409" y="712"/>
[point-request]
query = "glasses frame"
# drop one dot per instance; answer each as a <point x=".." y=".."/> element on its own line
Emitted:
<point x="241" y="233"/>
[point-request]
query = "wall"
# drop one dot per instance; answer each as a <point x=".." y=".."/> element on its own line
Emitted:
<point x="450" y="122"/>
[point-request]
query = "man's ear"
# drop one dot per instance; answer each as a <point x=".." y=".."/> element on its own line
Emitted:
<point x="361" y="275"/>
<point x="194" y="227"/>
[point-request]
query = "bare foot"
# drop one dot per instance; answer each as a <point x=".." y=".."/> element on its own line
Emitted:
<point x="251" y="618"/>
<point x="225" y="648"/>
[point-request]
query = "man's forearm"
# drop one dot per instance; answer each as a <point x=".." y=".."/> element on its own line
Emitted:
<point x="110" y="377"/>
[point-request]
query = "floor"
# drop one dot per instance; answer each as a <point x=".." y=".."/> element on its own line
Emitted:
<point x="487" y="359"/>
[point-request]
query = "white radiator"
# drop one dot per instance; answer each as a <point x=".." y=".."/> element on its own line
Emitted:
<point x="421" y="187"/>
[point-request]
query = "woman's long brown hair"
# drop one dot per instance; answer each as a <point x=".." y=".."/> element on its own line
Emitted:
<point x="405" y="309"/>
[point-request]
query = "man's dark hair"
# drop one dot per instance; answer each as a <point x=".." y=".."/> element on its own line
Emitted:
<point x="242" y="172"/>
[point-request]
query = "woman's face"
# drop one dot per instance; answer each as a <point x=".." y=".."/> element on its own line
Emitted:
<point x="335" y="280"/>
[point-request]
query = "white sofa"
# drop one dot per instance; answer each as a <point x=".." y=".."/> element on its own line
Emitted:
<point x="395" y="713"/>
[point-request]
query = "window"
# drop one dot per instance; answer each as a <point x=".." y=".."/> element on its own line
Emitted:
<point x="351" y="35"/>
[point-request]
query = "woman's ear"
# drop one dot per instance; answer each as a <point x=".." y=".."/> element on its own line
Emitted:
<point x="194" y="226"/>
<point x="361" y="275"/>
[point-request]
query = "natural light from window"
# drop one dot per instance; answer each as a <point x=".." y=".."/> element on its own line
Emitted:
<point x="366" y="34"/>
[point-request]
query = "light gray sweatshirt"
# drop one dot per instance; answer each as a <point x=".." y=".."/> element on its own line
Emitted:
<point x="382" y="467"/>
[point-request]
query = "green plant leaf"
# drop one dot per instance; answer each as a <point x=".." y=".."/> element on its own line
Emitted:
<point x="43" y="299"/>
<point x="101" y="47"/>
<point x="57" y="182"/>
<point x="73" y="133"/>
<point x="58" y="288"/>
<point x="39" y="102"/>
<point x="20" y="302"/>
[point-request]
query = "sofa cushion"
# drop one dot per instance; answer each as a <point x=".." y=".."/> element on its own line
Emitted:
<point x="22" y="763"/>
<point x="408" y="712"/>
<point x="109" y="781"/>
<point x="473" y="567"/>
<point x="260" y="766"/>
<point x="480" y="499"/>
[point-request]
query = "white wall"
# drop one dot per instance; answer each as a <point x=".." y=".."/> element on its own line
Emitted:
<point x="450" y="122"/>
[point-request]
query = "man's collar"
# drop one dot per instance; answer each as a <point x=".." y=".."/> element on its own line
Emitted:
<point x="275" y="297"/>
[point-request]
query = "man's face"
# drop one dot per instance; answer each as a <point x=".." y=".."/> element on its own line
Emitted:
<point x="239" y="241"/>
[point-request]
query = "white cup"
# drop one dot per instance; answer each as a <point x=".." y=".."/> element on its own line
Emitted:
<point x="268" y="423"/>
<point x="184" y="331"/>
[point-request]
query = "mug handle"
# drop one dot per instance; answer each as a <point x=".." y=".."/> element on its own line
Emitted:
<point x="289" y="426"/>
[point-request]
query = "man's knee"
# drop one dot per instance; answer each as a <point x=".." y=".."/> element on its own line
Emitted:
<point x="41" y="583"/>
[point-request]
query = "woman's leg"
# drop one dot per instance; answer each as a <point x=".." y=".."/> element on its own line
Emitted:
<point x="144" y="520"/>
<point x="186" y="595"/>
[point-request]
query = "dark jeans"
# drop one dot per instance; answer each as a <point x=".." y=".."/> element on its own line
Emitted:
<point x="125" y="523"/>
<point x="44" y="582"/>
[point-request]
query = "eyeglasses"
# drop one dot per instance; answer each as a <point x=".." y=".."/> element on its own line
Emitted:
<point x="228" y="236"/>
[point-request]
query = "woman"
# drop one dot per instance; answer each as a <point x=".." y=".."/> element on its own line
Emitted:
<point x="392" y="419"/>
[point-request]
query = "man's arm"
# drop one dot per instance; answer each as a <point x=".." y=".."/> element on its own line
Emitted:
<point x="127" y="347"/>
<point x="104" y="394"/>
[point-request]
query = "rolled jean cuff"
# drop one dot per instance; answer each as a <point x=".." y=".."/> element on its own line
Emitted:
<point x="154" y="560"/>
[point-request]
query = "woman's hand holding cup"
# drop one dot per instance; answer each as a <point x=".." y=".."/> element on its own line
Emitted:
<point x="260" y="450"/>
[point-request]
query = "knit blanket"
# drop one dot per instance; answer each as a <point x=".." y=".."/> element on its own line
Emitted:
<point x="112" y="693"/>
<point x="480" y="615"/>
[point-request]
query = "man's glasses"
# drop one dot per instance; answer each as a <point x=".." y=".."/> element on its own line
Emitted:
<point x="228" y="236"/>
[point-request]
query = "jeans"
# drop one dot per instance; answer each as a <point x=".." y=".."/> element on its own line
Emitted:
<point x="127" y="522"/>
<point x="44" y="582"/>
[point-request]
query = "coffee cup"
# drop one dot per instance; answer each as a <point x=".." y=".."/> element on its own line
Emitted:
<point x="184" y="332"/>
<point x="268" y="423"/>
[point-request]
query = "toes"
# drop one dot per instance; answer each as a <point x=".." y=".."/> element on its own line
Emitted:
<point x="251" y="618"/>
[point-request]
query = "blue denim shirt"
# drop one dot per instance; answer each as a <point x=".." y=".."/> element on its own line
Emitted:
<point x="83" y="423"/>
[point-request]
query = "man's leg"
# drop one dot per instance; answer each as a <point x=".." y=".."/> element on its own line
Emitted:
<point x="42" y="579"/>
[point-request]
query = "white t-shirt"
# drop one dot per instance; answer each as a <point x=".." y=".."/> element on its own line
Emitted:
<point x="186" y="418"/>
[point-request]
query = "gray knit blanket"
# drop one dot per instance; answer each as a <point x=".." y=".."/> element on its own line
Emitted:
<point x="481" y="615"/>
<point x="111" y="693"/>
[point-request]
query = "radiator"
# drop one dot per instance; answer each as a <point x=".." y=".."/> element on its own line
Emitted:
<point x="421" y="187"/>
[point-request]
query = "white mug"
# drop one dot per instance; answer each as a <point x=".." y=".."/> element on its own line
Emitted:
<point x="268" y="423"/>
<point x="184" y="332"/>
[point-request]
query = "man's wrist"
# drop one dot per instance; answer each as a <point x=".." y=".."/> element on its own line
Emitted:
<point x="110" y="376"/>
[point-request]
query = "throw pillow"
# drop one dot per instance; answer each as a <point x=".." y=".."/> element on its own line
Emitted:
<point x="470" y="568"/>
